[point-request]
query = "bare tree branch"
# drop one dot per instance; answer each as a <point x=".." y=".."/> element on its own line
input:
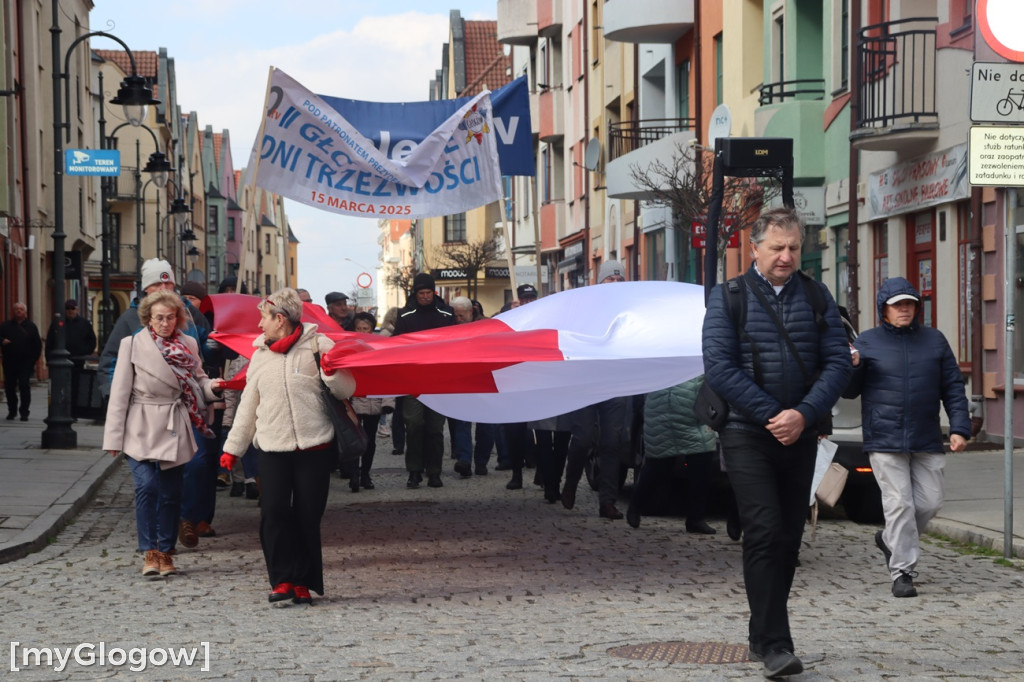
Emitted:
<point x="470" y="257"/>
<point x="683" y="183"/>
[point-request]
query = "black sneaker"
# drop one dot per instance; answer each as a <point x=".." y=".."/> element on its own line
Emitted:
<point x="903" y="586"/>
<point x="880" y="543"/>
<point x="780" y="663"/>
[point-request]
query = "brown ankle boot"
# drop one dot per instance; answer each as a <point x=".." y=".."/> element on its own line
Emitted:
<point x="151" y="564"/>
<point x="166" y="565"/>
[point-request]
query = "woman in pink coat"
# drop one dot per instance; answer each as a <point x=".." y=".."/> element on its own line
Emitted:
<point x="159" y="391"/>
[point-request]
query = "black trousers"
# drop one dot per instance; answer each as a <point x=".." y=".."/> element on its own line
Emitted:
<point x="606" y="427"/>
<point x="552" y="449"/>
<point x="657" y="471"/>
<point x="772" y="484"/>
<point x="293" y="496"/>
<point x="16" y="383"/>
<point x="369" y="422"/>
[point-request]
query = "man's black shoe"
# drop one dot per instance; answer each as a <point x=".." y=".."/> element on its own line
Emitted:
<point x="397" y="451"/>
<point x="568" y="497"/>
<point x="464" y="469"/>
<point x="700" y="527"/>
<point x="781" y="663"/>
<point x="882" y="546"/>
<point x="237" y="489"/>
<point x="516" y="482"/>
<point x="609" y="511"/>
<point x="733" y="528"/>
<point x="12" y="416"/>
<point x="480" y="470"/>
<point x="754" y="656"/>
<point x="503" y="466"/>
<point x="633" y="516"/>
<point x="415" y="478"/>
<point x="434" y="480"/>
<point x="903" y="586"/>
<point x="366" y="481"/>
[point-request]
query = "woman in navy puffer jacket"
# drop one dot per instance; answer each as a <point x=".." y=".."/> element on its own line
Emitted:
<point x="903" y="371"/>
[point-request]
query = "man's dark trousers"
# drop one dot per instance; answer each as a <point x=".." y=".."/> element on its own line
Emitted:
<point x="424" y="437"/>
<point x="772" y="484"/>
<point x="17" y="377"/>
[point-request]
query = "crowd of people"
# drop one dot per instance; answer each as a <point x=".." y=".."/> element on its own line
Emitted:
<point x="186" y="424"/>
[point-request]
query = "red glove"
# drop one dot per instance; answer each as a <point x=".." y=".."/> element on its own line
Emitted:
<point x="227" y="461"/>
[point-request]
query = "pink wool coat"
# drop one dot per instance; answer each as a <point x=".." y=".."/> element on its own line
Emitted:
<point x="146" y="418"/>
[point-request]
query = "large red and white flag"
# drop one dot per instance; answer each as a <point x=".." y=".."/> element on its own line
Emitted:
<point x="554" y="355"/>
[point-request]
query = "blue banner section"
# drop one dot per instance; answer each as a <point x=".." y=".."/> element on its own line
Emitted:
<point x="92" y="162"/>
<point x="396" y="127"/>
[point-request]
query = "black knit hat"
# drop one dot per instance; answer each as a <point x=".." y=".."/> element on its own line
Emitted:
<point x="422" y="281"/>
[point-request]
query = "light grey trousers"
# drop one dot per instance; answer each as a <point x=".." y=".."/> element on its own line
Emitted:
<point x="912" y="492"/>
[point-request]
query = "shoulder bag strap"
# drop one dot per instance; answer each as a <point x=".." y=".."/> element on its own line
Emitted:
<point x="782" y="330"/>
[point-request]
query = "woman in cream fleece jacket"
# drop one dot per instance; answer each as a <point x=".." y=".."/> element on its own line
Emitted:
<point x="281" y="412"/>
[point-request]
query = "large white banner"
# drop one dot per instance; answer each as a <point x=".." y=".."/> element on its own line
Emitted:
<point x="929" y="180"/>
<point x="308" y="152"/>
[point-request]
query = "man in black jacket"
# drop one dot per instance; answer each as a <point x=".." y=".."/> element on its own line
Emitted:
<point x="21" y="347"/>
<point x="781" y="372"/>
<point x="424" y="446"/>
<point x="79" y="339"/>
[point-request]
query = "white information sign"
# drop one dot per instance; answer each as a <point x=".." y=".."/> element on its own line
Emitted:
<point x="997" y="93"/>
<point x="997" y="156"/>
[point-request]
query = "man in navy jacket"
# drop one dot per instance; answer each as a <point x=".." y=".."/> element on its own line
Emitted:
<point x="770" y="439"/>
<point x="903" y="371"/>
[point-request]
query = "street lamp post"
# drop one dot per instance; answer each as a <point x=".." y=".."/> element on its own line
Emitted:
<point x="134" y="93"/>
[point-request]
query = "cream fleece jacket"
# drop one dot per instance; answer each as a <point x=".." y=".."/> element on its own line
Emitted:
<point x="281" y="408"/>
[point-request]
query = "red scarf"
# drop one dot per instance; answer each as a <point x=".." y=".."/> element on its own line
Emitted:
<point x="183" y="364"/>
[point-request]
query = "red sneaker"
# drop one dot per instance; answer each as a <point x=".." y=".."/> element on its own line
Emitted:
<point x="281" y="592"/>
<point x="302" y="595"/>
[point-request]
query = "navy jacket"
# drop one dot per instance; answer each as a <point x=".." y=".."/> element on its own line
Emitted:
<point x="903" y="375"/>
<point x="729" y="364"/>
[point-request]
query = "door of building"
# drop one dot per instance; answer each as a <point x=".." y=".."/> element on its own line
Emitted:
<point x="921" y="261"/>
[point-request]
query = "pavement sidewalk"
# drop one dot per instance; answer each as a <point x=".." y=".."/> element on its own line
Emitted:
<point x="41" y="491"/>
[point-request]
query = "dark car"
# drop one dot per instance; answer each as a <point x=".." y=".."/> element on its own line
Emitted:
<point x="861" y="498"/>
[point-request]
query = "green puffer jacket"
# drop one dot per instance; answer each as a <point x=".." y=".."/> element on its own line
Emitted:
<point x="670" y="427"/>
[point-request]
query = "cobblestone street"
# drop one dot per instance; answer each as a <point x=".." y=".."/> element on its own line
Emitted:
<point x="472" y="581"/>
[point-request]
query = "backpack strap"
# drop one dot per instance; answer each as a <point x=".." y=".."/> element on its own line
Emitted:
<point x="736" y="302"/>
<point x="817" y="299"/>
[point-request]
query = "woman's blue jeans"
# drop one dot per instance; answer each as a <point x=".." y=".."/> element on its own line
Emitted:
<point x="157" y="503"/>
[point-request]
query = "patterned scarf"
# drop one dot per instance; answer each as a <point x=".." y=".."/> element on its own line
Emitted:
<point x="184" y="364"/>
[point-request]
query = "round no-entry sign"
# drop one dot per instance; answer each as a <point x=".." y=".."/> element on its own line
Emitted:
<point x="364" y="280"/>
<point x="1000" y="23"/>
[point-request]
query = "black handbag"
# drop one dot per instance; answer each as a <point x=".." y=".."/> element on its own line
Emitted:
<point x="709" y="407"/>
<point x="350" y="439"/>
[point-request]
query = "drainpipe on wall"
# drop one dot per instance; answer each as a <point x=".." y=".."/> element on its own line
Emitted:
<point x="974" y="289"/>
<point x="853" y="291"/>
<point x="636" y="203"/>
<point x="586" y="133"/>
<point x="25" y="200"/>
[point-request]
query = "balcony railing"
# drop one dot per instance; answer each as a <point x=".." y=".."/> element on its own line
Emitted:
<point x="807" y="88"/>
<point x="628" y="136"/>
<point x="120" y="187"/>
<point x="897" y="74"/>
<point x="123" y="259"/>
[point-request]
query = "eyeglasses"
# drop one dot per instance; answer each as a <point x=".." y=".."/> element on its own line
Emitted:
<point x="164" y="319"/>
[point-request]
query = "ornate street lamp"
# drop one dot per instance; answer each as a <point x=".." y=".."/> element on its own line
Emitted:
<point x="134" y="93"/>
